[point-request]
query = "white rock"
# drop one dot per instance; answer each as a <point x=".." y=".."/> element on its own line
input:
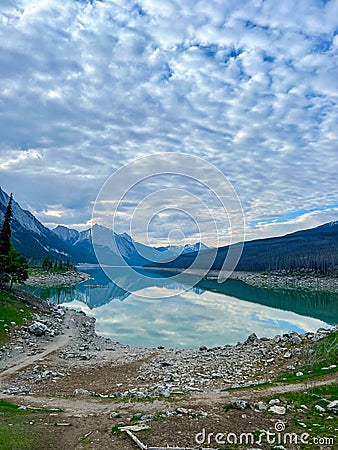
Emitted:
<point x="319" y="408"/>
<point x="81" y="392"/>
<point x="277" y="409"/>
<point x="135" y="428"/>
<point x="333" y="406"/>
<point x="261" y="406"/>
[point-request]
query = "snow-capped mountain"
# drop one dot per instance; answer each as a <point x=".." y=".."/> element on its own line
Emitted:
<point x="117" y="249"/>
<point x="187" y="248"/>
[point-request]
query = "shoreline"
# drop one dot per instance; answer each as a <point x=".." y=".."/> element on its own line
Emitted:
<point x="49" y="279"/>
<point x="71" y="337"/>
<point x="290" y="282"/>
<point x="257" y="279"/>
<point x="269" y="280"/>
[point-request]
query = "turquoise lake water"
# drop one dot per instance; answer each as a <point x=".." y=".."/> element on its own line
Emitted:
<point x="147" y="309"/>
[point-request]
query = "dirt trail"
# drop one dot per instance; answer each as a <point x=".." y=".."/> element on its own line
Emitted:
<point x="57" y="343"/>
<point x="85" y="405"/>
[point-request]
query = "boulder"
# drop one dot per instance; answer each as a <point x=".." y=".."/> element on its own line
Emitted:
<point x="333" y="406"/>
<point x="38" y="328"/>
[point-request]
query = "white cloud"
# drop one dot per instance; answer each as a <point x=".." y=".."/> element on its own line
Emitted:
<point x="249" y="85"/>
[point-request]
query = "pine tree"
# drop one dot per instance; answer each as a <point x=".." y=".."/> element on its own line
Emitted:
<point x="13" y="266"/>
<point x="5" y="235"/>
<point x="17" y="267"/>
<point x="47" y="263"/>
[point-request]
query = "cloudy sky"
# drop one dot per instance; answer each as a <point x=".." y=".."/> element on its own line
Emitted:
<point x="249" y="86"/>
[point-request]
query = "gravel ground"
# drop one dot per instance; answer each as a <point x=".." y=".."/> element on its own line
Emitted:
<point x="69" y="278"/>
<point x="282" y="281"/>
<point x="58" y="361"/>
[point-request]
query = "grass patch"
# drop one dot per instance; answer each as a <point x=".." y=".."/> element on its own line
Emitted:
<point x="7" y="407"/>
<point x="11" y="310"/>
<point x="322" y="354"/>
<point x="312" y="395"/>
<point x="317" y="424"/>
<point x="22" y="429"/>
<point x="116" y="428"/>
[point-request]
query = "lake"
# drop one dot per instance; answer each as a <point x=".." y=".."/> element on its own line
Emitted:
<point x="146" y="309"/>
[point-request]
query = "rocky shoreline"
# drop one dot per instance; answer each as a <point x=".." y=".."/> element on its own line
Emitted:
<point x="69" y="278"/>
<point x="283" y="281"/>
<point x="161" y="372"/>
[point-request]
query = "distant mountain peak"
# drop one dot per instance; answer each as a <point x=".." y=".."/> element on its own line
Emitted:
<point x="67" y="234"/>
<point x="126" y="236"/>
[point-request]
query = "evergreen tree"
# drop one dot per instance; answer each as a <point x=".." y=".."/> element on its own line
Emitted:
<point x="5" y="235"/>
<point x="17" y="267"/>
<point x="47" y="263"/>
<point x="13" y="266"/>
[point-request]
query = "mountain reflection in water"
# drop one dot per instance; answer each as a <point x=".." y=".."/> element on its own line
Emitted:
<point x="218" y="313"/>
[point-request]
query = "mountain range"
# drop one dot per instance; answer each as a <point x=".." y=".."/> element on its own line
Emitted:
<point x="313" y="249"/>
<point x="35" y="241"/>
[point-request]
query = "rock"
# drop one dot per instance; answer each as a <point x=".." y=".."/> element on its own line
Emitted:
<point x="333" y="406"/>
<point x="163" y="390"/>
<point x="203" y="348"/>
<point x="81" y="391"/>
<point x="134" y="427"/>
<point x="261" y="406"/>
<point x="274" y="401"/>
<point x="287" y="355"/>
<point x="319" y="409"/>
<point x="277" y="409"/>
<point x="148" y="417"/>
<point x="299" y="374"/>
<point x="38" y="328"/>
<point x="296" y="339"/>
<point x="252" y="338"/>
<point x="241" y="404"/>
<point x="182" y="411"/>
